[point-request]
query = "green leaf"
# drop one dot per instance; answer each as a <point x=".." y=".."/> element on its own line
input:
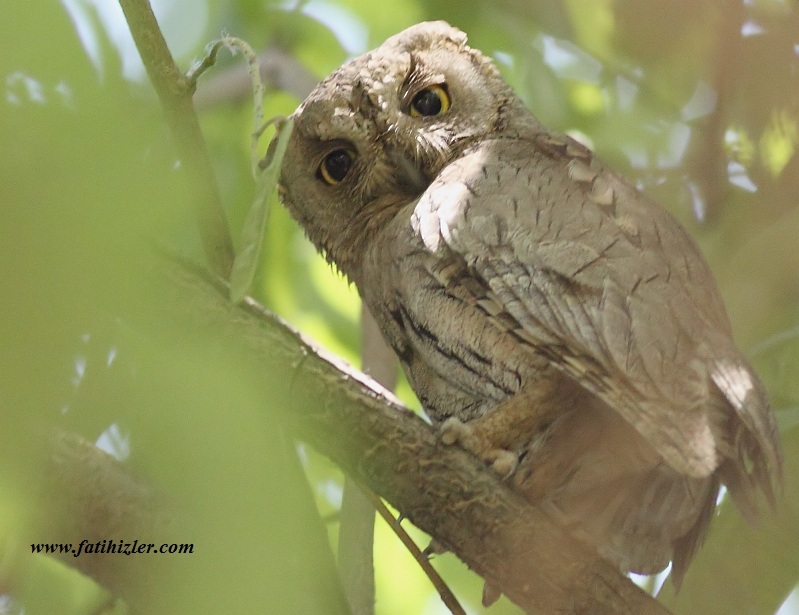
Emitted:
<point x="252" y="236"/>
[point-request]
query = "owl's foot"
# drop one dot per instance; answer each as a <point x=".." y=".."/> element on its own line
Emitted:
<point x="510" y="426"/>
<point x="454" y="431"/>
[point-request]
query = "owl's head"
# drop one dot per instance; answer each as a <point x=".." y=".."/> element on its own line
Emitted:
<point x="373" y="135"/>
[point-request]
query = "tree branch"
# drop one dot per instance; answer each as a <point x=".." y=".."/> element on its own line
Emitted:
<point x="443" y="490"/>
<point x="175" y="93"/>
<point x="90" y="496"/>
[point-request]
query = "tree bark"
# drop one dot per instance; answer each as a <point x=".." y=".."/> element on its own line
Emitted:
<point x="443" y="490"/>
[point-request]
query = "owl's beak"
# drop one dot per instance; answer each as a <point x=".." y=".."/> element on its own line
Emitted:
<point x="411" y="179"/>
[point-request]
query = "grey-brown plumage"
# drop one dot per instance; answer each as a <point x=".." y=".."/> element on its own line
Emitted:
<point x="539" y="304"/>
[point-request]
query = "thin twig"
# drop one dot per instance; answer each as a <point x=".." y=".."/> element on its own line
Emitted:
<point x="256" y="84"/>
<point x="175" y="93"/>
<point x="443" y="590"/>
<point x="231" y="85"/>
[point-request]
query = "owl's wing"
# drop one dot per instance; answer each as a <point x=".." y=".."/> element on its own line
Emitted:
<point x="610" y="288"/>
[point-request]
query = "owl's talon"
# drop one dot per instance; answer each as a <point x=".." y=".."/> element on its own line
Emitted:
<point x="454" y="431"/>
<point x="504" y="462"/>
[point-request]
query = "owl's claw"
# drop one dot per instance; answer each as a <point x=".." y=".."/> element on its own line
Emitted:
<point x="454" y="431"/>
<point x="504" y="462"/>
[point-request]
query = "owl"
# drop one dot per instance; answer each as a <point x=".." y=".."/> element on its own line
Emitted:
<point x="550" y="317"/>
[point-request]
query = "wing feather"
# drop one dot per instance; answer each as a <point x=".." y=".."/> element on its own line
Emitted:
<point x="610" y="288"/>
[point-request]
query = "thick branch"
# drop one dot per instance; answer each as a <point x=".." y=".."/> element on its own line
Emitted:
<point x="175" y="93"/>
<point x="90" y="496"/>
<point x="443" y="490"/>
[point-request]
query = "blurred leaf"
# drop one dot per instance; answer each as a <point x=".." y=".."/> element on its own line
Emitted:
<point x="778" y="142"/>
<point x="252" y="237"/>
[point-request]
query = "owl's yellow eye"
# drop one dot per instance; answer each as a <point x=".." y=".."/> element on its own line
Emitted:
<point x="335" y="166"/>
<point x="431" y="101"/>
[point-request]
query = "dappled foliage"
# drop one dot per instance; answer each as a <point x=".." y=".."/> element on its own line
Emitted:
<point x="698" y="102"/>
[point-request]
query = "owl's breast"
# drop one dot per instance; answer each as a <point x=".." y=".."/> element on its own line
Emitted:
<point x="457" y="361"/>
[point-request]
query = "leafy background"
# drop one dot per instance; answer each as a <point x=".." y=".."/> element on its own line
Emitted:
<point x="697" y="102"/>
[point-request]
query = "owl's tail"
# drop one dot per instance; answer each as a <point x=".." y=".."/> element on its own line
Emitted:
<point x="752" y="455"/>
